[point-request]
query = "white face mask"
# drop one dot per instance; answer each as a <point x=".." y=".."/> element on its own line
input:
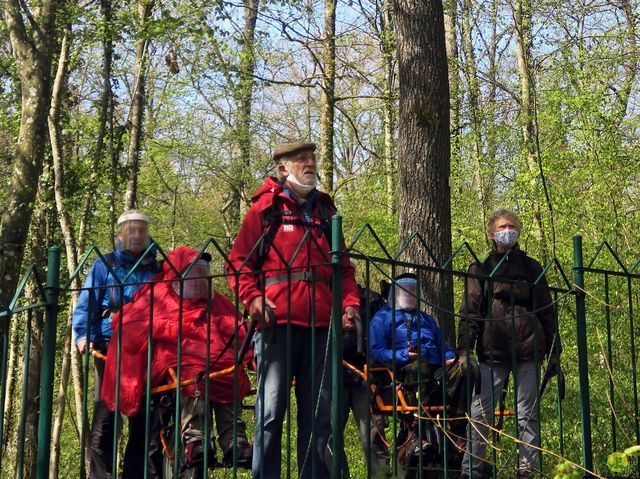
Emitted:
<point x="506" y="238"/>
<point x="406" y="300"/>
<point x="297" y="185"/>
<point x="196" y="283"/>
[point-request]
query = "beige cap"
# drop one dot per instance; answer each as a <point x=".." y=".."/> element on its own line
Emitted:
<point x="287" y="149"/>
<point x="132" y="215"/>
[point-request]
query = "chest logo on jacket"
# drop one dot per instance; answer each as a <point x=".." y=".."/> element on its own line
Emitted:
<point x="287" y="228"/>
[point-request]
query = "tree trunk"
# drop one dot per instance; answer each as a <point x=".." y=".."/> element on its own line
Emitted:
<point x="491" y="141"/>
<point x="247" y="68"/>
<point x="388" y="115"/>
<point x="328" y="107"/>
<point x="40" y="237"/>
<point x="106" y="111"/>
<point x="477" y="127"/>
<point x="66" y="226"/>
<point x="630" y="55"/>
<point x="450" y="16"/>
<point x="32" y="51"/>
<point x="522" y="21"/>
<point x="424" y="200"/>
<point x="239" y="197"/>
<point x="9" y="420"/>
<point x="137" y="105"/>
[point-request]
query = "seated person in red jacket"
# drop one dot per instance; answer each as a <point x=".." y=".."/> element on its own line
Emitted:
<point x="197" y="330"/>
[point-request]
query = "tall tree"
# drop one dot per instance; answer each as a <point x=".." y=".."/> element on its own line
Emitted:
<point x="387" y="46"/>
<point x="245" y="91"/>
<point x="328" y="102"/>
<point x="243" y="96"/>
<point x="522" y="22"/>
<point x="105" y="120"/>
<point x="136" y="113"/>
<point x="32" y="45"/>
<point x="475" y="120"/>
<point x="424" y="204"/>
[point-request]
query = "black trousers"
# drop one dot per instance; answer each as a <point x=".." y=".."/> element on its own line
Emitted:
<point x="102" y="437"/>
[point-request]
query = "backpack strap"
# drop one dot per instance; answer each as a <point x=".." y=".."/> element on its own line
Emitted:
<point x="110" y="258"/>
<point x="271" y="221"/>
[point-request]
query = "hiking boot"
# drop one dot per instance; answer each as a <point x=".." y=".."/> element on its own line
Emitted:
<point x="244" y="456"/>
<point x="525" y="474"/>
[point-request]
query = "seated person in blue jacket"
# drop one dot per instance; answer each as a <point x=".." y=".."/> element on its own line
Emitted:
<point x="400" y="334"/>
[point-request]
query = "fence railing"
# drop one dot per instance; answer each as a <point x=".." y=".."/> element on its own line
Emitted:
<point x="594" y="308"/>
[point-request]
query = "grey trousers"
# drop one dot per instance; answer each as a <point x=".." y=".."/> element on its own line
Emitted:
<point x="526" y="381"/>
<point x="355" y="398"/>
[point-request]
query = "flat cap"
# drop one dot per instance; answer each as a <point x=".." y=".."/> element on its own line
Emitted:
<point x="287" y="149"/>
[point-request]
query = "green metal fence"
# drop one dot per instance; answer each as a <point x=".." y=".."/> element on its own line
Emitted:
<point x="595" y="307"/>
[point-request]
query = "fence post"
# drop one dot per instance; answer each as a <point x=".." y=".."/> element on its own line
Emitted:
<point x="52" y="292"/>
<point x="583" y="367"/>
<point x="337" y="441"/>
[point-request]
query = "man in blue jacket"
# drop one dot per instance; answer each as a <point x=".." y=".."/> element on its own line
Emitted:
<point x="109" y="285"/>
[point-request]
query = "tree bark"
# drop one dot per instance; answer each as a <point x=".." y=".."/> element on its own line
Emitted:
<point x="630" y="55"/>
<point x="328" y="101"/>
<point x="14" y="344"/>
<point x="450" y="20"/>
<point x="477" y="127"/>
<point x="492" y="143"/>
<point x="106" y="112"/>
<point x="239" y="197"/>
<point x="387" y="46"/>
<point x="247" y="68"/>
<point x="137" y="104"/>
<point x="40" y="237"/>
<point x="522" y="24"/>
<point x="32" y="50"/>
<point x="68" y="234"/>
<point x="424" y="201"/>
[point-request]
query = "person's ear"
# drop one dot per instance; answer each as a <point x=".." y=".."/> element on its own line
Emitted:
<point x="282" y="169"/>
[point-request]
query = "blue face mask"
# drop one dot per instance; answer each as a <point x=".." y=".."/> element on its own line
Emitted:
<point x="506" y="238"/>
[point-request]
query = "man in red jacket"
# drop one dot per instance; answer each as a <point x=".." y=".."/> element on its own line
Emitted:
<point x="285" y="282"/>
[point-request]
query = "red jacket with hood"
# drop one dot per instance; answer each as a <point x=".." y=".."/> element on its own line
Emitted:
<point x="300" y="241"/>
<point x="134" y="322"/>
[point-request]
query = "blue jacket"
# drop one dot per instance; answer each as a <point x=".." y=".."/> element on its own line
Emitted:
<point x="424" y="331"/>
<point x="96" y="303"/>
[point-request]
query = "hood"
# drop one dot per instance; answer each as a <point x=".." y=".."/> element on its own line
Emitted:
<point x="126" y="258"/>
<point x="270" y="186"/>
<point x="180" y="258"/>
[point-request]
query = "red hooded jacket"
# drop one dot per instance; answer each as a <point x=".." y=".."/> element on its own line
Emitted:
<point x="166" y="306"/>
<point x="308" y="254"/>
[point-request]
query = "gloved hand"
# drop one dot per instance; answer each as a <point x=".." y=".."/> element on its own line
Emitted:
<point x="463" y="354"/>
<point x="553" y="366"/>
<point x="467" y="362"/>
<point x="553" y="369"/>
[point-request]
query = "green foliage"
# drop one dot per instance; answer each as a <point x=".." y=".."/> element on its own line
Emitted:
<point x="566" y="470"/>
